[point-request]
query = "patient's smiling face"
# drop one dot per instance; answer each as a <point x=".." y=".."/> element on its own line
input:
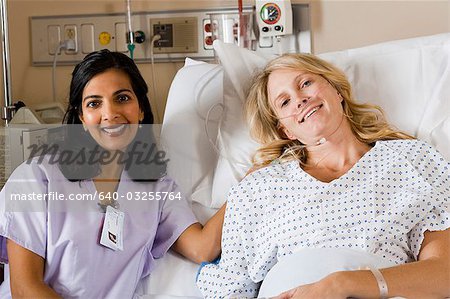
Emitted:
<point x="110" y="109"/>
<point x="307" y="105"/>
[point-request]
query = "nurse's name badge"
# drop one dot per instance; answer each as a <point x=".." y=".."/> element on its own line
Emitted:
<point x="112" y="231"/>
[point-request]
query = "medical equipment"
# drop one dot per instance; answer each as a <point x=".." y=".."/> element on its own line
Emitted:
<point x="20" y="139"/>
<point x="184" y="33"/>
<point x="30" y="126"/>
<point x="8" y="109"/>
<point x="45" y="112"/>
<point x="274" y="17"/>
<point x="232" y="28"/>
<point x="242" y="29"/>
<point x="155" y="38"/>
<point x="130" y="33"/>
<point x="34" y="123"/>
<point x="274" y="20"/>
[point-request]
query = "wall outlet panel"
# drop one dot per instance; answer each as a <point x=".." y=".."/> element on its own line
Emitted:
<point x="108" y="31"/>
<point x="70" y="33"/>
<point x="178" y="35"/>
<point x="53" y="38"/>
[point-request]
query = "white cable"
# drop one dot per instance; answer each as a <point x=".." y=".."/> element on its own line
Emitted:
<point x="219" y="136"/>
<point x="152" y="58"/>
<point x="61" y="45"/>
<point x="199" y="87"/>
<point x="213" y="144"/>
<point x="69" y="45"/>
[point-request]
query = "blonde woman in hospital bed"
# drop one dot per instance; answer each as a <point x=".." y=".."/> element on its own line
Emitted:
<point x="80" y="249"/>
<point x="347" y="205"/>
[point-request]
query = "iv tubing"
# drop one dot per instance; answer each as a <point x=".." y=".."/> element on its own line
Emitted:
<point x="128" y="2"/>
<point x="130" y="32"/>
<point x="152" y="59"/>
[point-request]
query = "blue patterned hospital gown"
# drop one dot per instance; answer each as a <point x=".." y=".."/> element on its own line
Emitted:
<point x="382" y="205"/>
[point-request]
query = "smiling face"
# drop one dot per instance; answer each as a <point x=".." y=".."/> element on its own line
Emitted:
<point x="307" y="105"/>
<point x="110" y="110"/>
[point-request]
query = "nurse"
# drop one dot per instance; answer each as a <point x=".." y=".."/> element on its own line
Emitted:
<point x="88" y="219"/>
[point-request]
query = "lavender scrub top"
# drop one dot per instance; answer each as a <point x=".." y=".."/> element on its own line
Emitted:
<point x="66" y="233"/>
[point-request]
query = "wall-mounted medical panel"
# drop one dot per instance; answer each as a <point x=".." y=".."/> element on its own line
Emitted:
<point x="183" y="34"/>
<point x="178" y="35"/>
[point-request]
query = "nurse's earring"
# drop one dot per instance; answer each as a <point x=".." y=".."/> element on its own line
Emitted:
<point x="141" y="118"/>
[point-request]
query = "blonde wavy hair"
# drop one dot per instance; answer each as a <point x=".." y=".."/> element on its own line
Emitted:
<point x="367" y="122"/>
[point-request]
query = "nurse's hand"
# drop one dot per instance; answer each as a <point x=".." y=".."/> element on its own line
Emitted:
<point x="202" y="243"/>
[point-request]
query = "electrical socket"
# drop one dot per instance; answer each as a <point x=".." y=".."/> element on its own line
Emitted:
<point x="71" y="39"/>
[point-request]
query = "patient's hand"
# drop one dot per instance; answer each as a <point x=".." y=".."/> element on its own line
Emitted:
<point x="326" y="288"/>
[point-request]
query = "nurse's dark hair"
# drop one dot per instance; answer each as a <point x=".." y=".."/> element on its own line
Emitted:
<point x="76" y="139"/>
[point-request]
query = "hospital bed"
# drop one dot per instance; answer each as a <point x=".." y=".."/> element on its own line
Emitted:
<point x="208" y="141"/>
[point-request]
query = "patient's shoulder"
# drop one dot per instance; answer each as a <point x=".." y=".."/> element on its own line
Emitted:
<point x="413" y="149"/>
<point x="256" y="168"/>
<point x="424" y="158"/>
<point x="401" y="145"/>
<point x="276" y="170"/>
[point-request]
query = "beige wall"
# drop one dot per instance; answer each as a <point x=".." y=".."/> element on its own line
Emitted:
<point x="336" y="25"/>
<point x="341" y="25"/>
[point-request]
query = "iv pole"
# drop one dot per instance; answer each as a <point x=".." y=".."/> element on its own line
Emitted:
<point x="8" y="109"/>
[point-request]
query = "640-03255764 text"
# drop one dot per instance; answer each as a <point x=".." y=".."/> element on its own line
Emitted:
<point x="136" y="195"/>
<point x="141" y="195"/>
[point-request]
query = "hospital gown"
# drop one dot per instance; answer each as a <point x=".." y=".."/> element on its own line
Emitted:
<point x="382" y="205"/>
<point x="66" y="233"/>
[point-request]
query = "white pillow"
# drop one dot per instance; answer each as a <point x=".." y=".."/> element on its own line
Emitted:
<point x="195" y="89"/>
<point x="409" y="79"/>
<point x="403" y="82"/>
<point x="234" y="141"/>
<point x="234" y="158"/>
<point x="312" y="264"/>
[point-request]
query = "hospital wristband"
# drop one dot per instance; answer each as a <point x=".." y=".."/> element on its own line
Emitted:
<point x="382" y="285"/>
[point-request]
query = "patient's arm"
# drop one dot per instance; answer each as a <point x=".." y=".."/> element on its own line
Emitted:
<point x="427" y="278"/>
<point x="202" y="243"/>
<point x="27" y="273"/>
